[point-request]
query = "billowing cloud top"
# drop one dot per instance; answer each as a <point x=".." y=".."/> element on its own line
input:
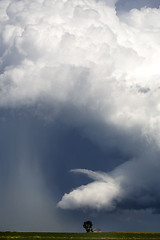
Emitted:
<point x="80" y="54"/>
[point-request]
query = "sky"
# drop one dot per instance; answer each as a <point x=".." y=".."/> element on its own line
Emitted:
<point x="79" y="115"/>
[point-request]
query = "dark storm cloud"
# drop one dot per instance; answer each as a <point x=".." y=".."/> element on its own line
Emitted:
<point x="79" y="89"/>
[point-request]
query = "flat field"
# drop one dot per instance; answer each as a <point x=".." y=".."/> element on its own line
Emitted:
<point x="77" y="236"/>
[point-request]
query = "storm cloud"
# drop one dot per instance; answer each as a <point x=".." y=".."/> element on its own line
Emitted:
<point x="79" y="89"/>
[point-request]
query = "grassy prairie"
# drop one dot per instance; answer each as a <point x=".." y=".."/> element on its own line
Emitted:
<point x="76" y="236"/>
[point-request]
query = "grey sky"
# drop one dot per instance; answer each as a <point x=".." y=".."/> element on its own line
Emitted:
<point x="126" y="5"/>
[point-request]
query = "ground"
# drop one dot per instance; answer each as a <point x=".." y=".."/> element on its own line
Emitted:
<point x="77" y="236"/>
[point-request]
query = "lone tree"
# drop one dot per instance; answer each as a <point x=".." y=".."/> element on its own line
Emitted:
<point x="88" y="226"/>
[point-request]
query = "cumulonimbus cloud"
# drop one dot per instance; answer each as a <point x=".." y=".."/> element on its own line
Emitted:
<point x="81" y="54"/>
<point x="61" y="52"/>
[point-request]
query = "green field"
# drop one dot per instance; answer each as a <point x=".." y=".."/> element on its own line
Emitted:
<point x="77" y="236"/>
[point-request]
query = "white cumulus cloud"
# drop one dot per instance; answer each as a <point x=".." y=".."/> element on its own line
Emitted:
<point x="99" y="194"/>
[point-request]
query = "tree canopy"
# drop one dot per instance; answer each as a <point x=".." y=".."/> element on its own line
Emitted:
<point x="88" y="226"/>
